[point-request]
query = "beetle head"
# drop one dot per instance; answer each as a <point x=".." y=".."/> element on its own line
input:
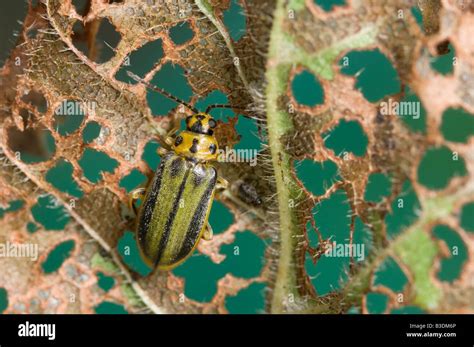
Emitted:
<point x="201" y="123"/>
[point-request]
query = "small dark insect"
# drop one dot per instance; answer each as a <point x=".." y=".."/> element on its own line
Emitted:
<point x="248" y="194"/>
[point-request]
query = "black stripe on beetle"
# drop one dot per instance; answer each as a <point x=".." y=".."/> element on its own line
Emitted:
<point x="199" y="174"/>
<point x="176" y="167"/>
<point x="197" y="223"/>
<point x="149" y="204"/>
<point x="170" y="219"/>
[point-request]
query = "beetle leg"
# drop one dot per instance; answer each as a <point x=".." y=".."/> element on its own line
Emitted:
<point x="208" y="233"/>
<point x="173" y="130"/>
<point x="169" y="141"/>
<point x="222" y="183"/>
<point x="162" y="151"/>
<point x="135" y="194"/>
<point x="169" y="138"/>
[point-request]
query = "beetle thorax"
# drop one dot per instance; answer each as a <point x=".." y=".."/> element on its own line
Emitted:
<point x="196" y="146"/>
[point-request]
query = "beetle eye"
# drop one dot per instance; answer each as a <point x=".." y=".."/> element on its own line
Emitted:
<point x="212" y="123"/>
<point x="188" y="119"/>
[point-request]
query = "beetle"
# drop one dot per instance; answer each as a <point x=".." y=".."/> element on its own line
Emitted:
<point x="173" y="215"/>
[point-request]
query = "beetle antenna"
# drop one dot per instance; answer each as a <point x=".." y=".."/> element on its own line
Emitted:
<point x="161" y="91"/>
<point x="210" y="107"/>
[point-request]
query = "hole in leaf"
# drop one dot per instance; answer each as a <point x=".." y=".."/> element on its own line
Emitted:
<point x="244" y="257"/>
<point x="376" y="76"/>
<point x="128" y="250"/>
<point x="376" y="303"/>
<point x="32" y="227"/>
<point x="250" y="300"/>
<point x="26" y="116"/>
<point x="150" y="155"/>
<point x="79" y="38"/>
<point x="332" y="216"/>
<point x="249" y="140"/>
<point x="327" y="5"/>
<point x="131" y="181"/>
<point x="457" y="125"/>
<point x="307" y="90"/>
<point x="220" y="217"/>
<point x="141" y="61"/>
<point x="181" y="33"/>
<point x="416" y="12"/>
<point x="91" y="132"/>
<point x="316" y="176"/>
<point x="247" y="128"/>
<point x="68" y="117"/>
<point x="105" y="282"/>
<point x="50" y="214"/>
<point x="215" y="97"/>
<point x="170" y="77"/>
<point x="444" y="63"/>
<point x="94" y="162"/>
<point x="410" y="309"/>
<point x="81" y="6"/>
<point x="36" y="99"/>
<point x="353" y="310"/>
<point x="378" y="186"/>
<point x="390" y="275"/>
<point x="201" y="276"/>
<point x="58" y="256"/>
<point x="13" y="13"/>
<point x="347" y="136"/>
<point x="235" y="20"/>
<point x="438" y="166"/>
<point x="60" y="176"/>
<point x="412" y="112"/>
<point x="467" y="217"/>
<point x="13" y="206"/>
<point x="32" y="145"/>
<point x="106" y="40"/>
<point x="451" y="267"/>
<point x="108" y="307"/>
<point x="3" y="299"/>
<point x="332" y="219"/>
<point x="405" y="210"/>
<point x="330" y="271"/>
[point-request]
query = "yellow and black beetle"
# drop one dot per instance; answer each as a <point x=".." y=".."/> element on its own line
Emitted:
<point x="173" y="215"/>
